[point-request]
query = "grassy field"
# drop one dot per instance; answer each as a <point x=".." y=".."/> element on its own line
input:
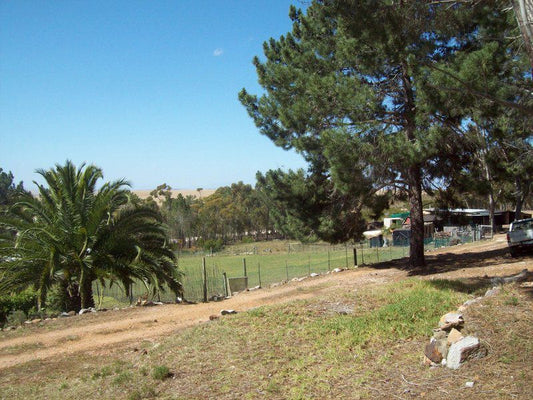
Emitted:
<point x="362" y="344"/>
<point x="267" y="263"/>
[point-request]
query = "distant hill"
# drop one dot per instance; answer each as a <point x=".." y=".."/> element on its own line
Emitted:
<point x="143" y="194"/>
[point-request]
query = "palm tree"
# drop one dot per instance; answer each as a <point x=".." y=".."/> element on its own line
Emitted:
<point x="73" y="234"/>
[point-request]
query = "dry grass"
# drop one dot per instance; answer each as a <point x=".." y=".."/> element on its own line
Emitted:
<point x="345" y="344"/>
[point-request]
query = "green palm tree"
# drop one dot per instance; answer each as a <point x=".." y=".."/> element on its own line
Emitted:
<point x="73" y="234"/>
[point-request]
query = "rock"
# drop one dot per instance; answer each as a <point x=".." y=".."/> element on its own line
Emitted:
<point x="36" y="320"/>
<point x="313" y="274"/>
<point x="492" y="292"/>
<point x="465" y="349"/>
<point x="228" y="312"/>
<point x="527" y="285"/>
<point x="469" y="384"/>
<point x="213" y="317"/>
<point x="454" y="336"/>
<point x="338" y="270"/>
<point x="71" y="313"/>
<point x="451" y="320"/>
<point x="436" y="350"/>
<point x="64" y="315"/>
<point x="439" y="335"/>
<point x="86" y="310"/>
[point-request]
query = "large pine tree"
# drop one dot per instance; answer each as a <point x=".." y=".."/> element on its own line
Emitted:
<point x="349" y="88"/>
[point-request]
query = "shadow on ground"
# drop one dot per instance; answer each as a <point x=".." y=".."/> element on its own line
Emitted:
<point x="447" y="262"/>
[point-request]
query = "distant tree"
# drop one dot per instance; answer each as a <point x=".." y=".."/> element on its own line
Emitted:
<point x="9" y="191"/>
<point x="73" y="234"/>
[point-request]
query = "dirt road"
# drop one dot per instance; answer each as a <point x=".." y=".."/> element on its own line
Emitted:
<point x="93" y="332"/>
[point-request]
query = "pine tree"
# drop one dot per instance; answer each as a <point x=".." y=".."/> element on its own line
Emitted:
<point x="349" y="89"/>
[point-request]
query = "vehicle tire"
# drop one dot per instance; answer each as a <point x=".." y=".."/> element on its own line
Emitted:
<point x="513" y="252"/>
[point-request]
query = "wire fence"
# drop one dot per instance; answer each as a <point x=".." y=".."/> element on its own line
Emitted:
<point x="209" y="277"/>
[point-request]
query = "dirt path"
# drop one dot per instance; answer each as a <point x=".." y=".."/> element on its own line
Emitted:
<point x="119" y="328"/>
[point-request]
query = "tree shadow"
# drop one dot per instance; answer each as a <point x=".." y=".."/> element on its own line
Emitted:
<point x="447" y="262"/>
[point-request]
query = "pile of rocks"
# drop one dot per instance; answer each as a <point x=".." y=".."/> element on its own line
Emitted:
<point x="449" y="347"/>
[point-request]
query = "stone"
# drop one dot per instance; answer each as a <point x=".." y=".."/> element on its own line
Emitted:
<point x="436" y="350"/>
<point x="465" y="349"/>
<point x="314" y="274"/>
<point x="338" y="270"/>
<point x="454" y="336"/>
<point x="64" y="315"/>
<point x="71" y="313"/>
<point x="469" y="384"/>
<point x="228" y="312"/>
<point x="451" y="320"/>
<point x="439" y="335"/>
<point x="86" y="310"/>
<point x="492" y="292"/>
<point x="213" y="317"/>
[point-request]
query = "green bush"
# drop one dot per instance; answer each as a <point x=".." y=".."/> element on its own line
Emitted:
<point x="24" y="302"/>
<point x="211" y="244"/>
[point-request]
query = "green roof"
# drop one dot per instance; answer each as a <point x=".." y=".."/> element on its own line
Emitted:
<point x="399" y="215"/>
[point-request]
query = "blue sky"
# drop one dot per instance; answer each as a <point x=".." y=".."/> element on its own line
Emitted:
<point x="147" y="90"/>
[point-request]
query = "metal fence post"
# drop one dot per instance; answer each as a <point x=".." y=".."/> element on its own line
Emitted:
<point x="225" y="284"/>
<point x="287" y="270"/>
<point x="259" y="273"/>
<point x="354" y="256"/>
<point x="204" y="278"/>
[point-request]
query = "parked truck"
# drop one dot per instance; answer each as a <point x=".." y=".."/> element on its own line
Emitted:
<point x="520" y="236"/>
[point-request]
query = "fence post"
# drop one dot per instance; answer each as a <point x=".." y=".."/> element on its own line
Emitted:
<point x="259" y="273"/>
<point x="346" y="252"/>
<point x="377" y="253"/>
<point x="204" y="278"/>
<point x="131" y="294"/>
<point x="329" y="261"/>
<point x="244" y="266"/>
<point x="354" y="256"/>
<point x="309" y="264"/>
<point x="225" y="284"/>
<point x="362" y="254"/>
<point x="287" y="270"/>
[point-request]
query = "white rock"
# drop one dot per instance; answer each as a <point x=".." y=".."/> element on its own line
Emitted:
<point x="469" y="384"/>
<point x="462" y="350"/>
<point x="313" y="274"/>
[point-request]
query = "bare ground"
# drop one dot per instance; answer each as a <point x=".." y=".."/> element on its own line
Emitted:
<point x="115" y="330"/>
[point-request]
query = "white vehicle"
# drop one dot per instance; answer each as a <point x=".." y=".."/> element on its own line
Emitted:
<point x="520" y="236"/>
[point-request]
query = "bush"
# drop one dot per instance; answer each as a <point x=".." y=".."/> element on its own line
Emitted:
<point x="24" y="302"/>
<point x="211" y="244"/>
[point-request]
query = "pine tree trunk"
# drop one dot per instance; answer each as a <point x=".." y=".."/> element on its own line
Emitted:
<point x="524" y="16"/>
<point x="416" y="254"/>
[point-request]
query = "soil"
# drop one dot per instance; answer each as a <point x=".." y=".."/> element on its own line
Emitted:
<point x="117" y="329"/>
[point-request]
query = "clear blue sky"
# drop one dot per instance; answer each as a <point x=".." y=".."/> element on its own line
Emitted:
<point x="147" y="90"/>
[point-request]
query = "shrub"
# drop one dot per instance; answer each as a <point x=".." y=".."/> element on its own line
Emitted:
<point x="212" y="244"/>
<point x="24" y="302"/>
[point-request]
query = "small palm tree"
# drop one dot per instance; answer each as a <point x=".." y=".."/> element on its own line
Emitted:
<point x="73" y="234"/>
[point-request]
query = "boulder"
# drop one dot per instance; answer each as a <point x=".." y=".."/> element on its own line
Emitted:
<point x="454" y="336"/>
<point x="436" y="350"/>
<point x="465" y="349"/>
<point x="451" y="320"/>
